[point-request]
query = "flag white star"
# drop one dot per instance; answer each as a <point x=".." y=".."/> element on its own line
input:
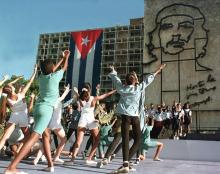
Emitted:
<point x="85" y="41"/>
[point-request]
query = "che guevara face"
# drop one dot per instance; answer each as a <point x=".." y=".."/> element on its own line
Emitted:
<point x="175" y="33"/>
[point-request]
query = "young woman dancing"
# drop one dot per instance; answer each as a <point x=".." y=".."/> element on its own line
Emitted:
<point x="87" y="121"/>
<point x="49" y="93"/>
<point x="18" y="105"/>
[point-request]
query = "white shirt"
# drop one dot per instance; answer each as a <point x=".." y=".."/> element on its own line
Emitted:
<point x="18" y="105"/>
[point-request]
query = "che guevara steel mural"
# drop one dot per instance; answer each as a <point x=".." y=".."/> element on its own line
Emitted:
<point x="180" y="28"/>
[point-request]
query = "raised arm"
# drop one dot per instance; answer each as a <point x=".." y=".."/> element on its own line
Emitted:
<point x="67" y="90"/>
<point x="25" y="89"/>
<point x="149" y="79"/>
<point x="103" y="96"/>
<point x="58" y="65"/>
<point x="15" y="80"/>
<point x="6" y="77"/>
<point x="63" y="61"/>
<point x="31" y="103"/>
<point x="162" y="66"/>
<point x="66" y="55"/>
<point x="116" y="80"/>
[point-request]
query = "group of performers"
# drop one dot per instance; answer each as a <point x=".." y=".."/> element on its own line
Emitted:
<point x="130" y="123"/>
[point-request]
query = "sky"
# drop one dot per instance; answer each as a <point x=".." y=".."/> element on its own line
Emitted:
<point x="22" y="21"/>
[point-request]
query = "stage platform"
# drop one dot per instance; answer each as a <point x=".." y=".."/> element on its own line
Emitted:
<point x="179" y="157"/>
<point x="148" y="166"/>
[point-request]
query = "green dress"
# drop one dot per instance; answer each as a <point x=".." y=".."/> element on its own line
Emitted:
<point x="49" y="93"/>
<point x="146" y="142"/>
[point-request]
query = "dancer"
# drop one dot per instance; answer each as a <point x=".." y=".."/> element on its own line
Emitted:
<point x="75" y="116"/>
<point x="128" y="108"/>
<point x="147" y="143"/>
<point x="187" y="118"/>
<point x="87" y="121"/>
<point x="3" y="97"/>
<point x="177" y="116"/>
<point x="115" y="145"/>
<point x="56" y="126"/>
<point x="17" y="103"/>
<point x="49" y="93"/>
<point x="104" y="137"/>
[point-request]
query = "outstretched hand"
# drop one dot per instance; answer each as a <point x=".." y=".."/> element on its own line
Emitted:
<point x="67" y="87"/>
<point x="162" y="66"/>
<point x="6" y="77"/>
<point x="32" y="95"/>
<point x="111" y="67"/>
<point x="66" y="53"/>
<point x="98" y="86"/>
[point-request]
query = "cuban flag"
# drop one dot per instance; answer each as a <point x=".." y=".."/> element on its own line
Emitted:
<point x="85" y="59"/>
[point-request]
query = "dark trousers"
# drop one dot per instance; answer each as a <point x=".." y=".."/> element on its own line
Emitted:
<point x="136" y="131"/>
<point x="113" y="145"/>
<point x="69" y="133"/>
<point x="89" y="143"/>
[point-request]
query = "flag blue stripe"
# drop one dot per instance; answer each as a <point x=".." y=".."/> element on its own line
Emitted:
<point x="97" y="64"/>
<point x="70" y="68"/>
<point x="82" y="71"/>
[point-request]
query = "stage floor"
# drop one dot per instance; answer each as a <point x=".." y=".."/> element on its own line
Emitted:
<point x="148" y="166"/>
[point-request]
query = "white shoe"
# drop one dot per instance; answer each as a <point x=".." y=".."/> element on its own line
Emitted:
<point x="58" y="161"/>
<point x="122" y="170"/>
<point x="157" y="159"/>
<point x="91" y="162"/>
<point x="14" y="172"/>
<point x="48" y="169"/>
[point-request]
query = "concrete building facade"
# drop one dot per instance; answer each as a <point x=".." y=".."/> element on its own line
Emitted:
<point x="122" y="46"/>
